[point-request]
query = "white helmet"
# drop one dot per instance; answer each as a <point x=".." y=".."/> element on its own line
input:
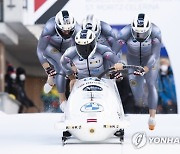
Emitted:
<point x="92" y="23"/>
<point x="65" y="24"/>
<point x="85" y="43"/>
<point x="141" y="27"/>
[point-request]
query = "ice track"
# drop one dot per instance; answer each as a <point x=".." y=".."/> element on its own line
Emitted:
<point x="35" y="134"/>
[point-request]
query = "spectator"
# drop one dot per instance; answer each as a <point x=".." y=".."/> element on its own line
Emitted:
<point x="167" y="93"/>
<point x="10" y="81"/>
<point x="22" y="97"/>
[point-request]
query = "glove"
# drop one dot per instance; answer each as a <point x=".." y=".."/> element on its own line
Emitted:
<point x="139" y="72"/>
<point x="50" y="71"/>
<point x="116" y="75"/>
<point x="47" y="88"/>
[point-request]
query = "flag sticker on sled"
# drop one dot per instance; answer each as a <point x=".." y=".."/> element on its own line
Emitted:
<point x="92" y="107"/>
<point x="91" y="120"/>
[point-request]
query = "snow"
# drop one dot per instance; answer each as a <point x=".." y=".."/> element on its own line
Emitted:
<point x="35" y="134"/>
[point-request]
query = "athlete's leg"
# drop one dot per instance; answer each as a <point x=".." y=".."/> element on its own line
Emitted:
<point x="136" y="82"/>
<point x="151" y="80"/>
<point x="137" y="87"/>
<point x="61" y="86"/>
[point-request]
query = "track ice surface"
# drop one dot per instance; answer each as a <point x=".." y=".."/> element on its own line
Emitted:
<point x="35" y="134"/>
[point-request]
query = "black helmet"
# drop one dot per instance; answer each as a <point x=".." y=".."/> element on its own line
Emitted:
<point x="85" y="43"/>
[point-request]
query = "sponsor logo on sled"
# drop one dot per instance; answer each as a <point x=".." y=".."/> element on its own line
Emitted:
<point x="92" y="107"/>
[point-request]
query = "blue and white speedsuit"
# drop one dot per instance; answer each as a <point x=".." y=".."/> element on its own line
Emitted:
<point x="89" y="67"/>
<point x="146" y="53"/>
<point x="104" y="34"/>
<point x="51" y="47"/>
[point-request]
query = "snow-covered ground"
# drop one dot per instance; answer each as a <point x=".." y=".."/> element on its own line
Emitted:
<point x="35" y="134"/>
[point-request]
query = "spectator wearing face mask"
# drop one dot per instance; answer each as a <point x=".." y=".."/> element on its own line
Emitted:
<point x="166" y="89"/>
<point x="10" y="81"/>
<point x="22" y="97"/>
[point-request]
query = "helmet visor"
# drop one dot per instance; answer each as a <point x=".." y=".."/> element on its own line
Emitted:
<point x="85" y="50"/>
<point x="141" y="37"/>
<point x="65" y="34"/>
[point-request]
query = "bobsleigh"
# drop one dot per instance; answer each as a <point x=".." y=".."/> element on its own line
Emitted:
<point x="94" y="111"/>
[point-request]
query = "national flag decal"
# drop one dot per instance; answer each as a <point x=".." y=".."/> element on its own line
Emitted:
<point x="91" y="120"/>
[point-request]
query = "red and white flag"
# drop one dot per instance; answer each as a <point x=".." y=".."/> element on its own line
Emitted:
<point x="91" y="120"/>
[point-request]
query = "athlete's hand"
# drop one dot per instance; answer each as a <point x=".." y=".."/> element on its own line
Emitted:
<point x="50" y="71"/>
<point x="71" y="77"/>
<point x="71" y="84"/>
<point x="50" y="80"/>
<point x="139" y="72"/>
<point x="74" y="68"/>
<point x="116" y="75"/>
<point x="118" y="66"/>
<point x="49" y="84"/>
<point x="146" y="69"/>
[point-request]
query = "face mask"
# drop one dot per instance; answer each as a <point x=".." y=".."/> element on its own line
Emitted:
<point x="13" y="76"/>
<point x="164" y="68"/>
<point x="22" y="77"/>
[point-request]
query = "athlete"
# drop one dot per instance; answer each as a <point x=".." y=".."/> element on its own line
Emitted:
<point x="104" y="34"/>
<point x="88" y="56"/>
<point x="143" y="41"/>
<point x="57" y="35"/>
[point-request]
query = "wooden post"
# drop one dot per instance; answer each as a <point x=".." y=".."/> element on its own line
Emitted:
<point x="2" y="67"/>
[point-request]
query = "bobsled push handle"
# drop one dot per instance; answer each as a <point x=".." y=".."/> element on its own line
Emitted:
<point x="106" y="71"/>
<point x="133" y="67"/>
<point x="124" y="67"/>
